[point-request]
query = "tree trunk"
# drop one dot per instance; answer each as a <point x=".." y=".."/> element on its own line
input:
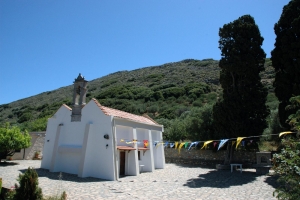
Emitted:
<point x="229" y="153"/>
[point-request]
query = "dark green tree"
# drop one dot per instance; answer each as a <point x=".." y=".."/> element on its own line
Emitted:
<point x="199" y="123"/>
<point x="242" y="110"/>
<point x="286" y="58"/>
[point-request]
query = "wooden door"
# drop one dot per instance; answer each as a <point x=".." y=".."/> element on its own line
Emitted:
<point x="122" y="162"/>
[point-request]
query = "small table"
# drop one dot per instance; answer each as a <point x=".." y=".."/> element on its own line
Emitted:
<point x="240" y="165"/>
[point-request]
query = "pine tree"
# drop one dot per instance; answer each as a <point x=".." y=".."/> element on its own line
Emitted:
<point x="286" y="58"/>
<point x="242" y="110"/>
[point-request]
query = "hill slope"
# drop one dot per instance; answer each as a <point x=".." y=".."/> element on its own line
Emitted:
<point x="164" y="91"/>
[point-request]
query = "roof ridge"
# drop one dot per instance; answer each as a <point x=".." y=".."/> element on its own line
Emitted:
<point x="148" y="117"/>
<point x="67" y="106"/>
<point x="125" y="115"/>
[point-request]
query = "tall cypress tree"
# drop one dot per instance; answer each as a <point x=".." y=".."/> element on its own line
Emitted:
<point x="286" y="58"/>
<point x="242" y="110"/>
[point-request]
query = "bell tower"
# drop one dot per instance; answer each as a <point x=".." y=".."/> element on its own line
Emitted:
<point x="79" y="96"/>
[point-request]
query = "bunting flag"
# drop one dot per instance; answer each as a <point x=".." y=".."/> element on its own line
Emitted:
<point x="238" y="141"/>
<point x="206" y="143"/>
<point x="193" y="143"/>
<point x="166" y="144"/>
<point x="172" y="145"/>
<point x="121" y="140"/>
<point x="186" y="144"/>
<point x="284" y="133"/>
<point x="159" y="143"/>
<point x="215" y="144"/>
<point x="176" y="144"/>
<point x="180" y="146"/>
<point x="146" y="143"/>
<point x="243" y="143"/>
<point x="129" y="142"/>
<point x="222" y="142"/>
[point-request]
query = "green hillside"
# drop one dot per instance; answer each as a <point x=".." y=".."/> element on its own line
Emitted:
<point x="163" y="92"/>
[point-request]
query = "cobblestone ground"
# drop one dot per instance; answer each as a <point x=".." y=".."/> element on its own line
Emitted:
<point x="173" y="182"/>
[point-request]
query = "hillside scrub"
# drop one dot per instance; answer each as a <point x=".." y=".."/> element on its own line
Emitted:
<point x="163" y="92"/>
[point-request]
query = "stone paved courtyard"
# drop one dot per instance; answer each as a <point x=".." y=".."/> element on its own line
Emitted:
<point x="173" y="182"/>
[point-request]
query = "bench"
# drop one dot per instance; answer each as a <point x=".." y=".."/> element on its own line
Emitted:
<point x="236" y="165"/>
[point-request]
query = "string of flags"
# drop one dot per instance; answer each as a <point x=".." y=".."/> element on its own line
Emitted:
<point x="189" y="145"/>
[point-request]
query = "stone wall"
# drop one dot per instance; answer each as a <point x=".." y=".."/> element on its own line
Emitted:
<point x="37" y="144"/>
<point x="207" y="157"/>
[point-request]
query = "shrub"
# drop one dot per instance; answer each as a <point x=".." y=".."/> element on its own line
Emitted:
<point x="287" y="166"/>
<point x="25" y="117"/>
<point x="28" y="188"/>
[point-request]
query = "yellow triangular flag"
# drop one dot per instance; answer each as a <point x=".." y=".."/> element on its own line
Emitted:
<point x="206" y="143"/>
<point x="160" y="143"/>
<point x="180" y="146"/>
<point x="283" y="133"/>
<point x="238" y="141"/>
<point x="176" y="144"/>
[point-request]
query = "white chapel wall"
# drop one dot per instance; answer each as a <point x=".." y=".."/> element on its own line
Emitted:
<point x="99" y="154"/>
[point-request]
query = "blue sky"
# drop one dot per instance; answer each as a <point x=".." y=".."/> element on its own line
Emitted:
<point x="44" y="44"/>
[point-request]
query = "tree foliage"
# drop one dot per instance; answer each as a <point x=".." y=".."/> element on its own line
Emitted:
<point x="287" y="162"/>
<point x="242" y="111"/>
<point x="294" y="119"/>
<point x="286" y="57"/>
<point x="287" y="166"/>
<point x="12" y="139"/>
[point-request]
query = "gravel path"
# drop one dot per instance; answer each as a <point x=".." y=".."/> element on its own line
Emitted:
<point x="173" y="182"/>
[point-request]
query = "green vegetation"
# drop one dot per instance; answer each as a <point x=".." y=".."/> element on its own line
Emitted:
<point x="12" y="139"/>
<point x="287" y="162"/>
<point x="286" y="57"/>
<point x="242" y="110"/>
<point x="28" y="188"/>
<point x="167" y="93"/>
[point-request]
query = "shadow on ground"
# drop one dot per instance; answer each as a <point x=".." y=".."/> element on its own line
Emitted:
<point x="225" y="179"/>
<point x="272" y="181"/>
<point x="64" y="176"/>
<point x="4" y="164"/>
<point x="205" y="166"/>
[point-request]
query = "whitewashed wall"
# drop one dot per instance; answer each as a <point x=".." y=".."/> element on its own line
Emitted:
<point x="158" y="152"/>
<point x="99" y="159"/>
<point x="147" y="156"/>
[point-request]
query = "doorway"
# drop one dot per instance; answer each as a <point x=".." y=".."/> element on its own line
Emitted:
<point x="122" y="163"/>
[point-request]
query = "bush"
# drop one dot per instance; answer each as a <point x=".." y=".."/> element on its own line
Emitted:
<point x="177" y="130"/>
<point x="28" y="188"/>
<point x="25" y="117"/>
<point x="287" y="166"/>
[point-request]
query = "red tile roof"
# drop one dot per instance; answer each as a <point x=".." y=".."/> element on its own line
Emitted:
<point x="125" y="115"/>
